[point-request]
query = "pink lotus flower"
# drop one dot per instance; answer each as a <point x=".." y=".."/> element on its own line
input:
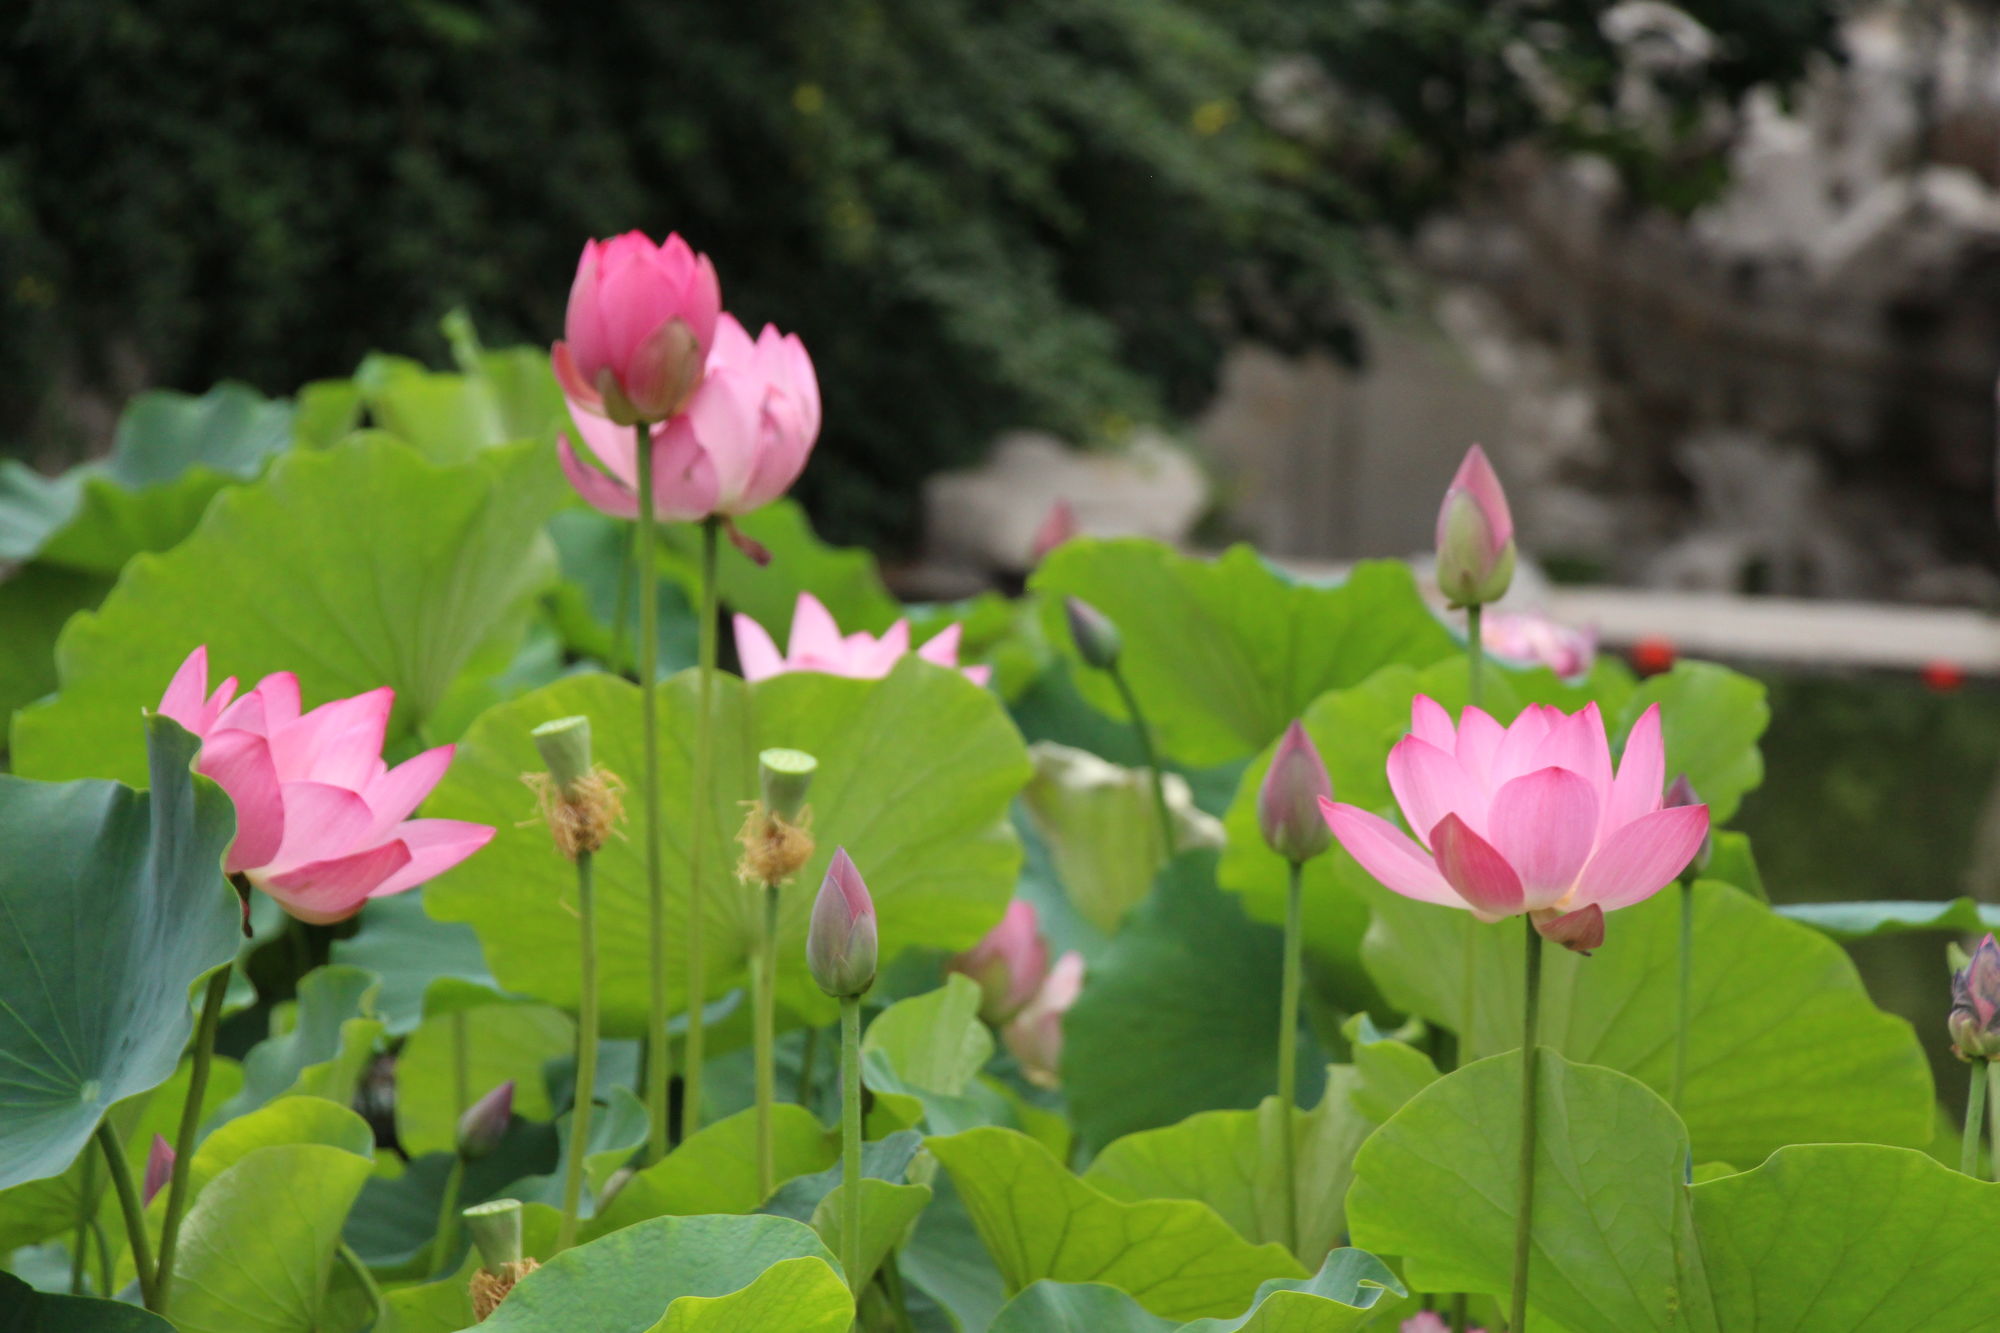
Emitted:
<point x="637" y="333"/>
<point x="1009" y="964"/>
<point x="816" y="644"/>
<point x="1288" y="801"/>
<point x="1475" y="535"/>
<point x="1430" y="1321"/>
<point x="1530" y="638"/>
<point x="1035" y="1037"/>
<point x="159" y="1167"/>
<point x="741" y="442"/>
<point x="1975" y="1004"/>
<point x="1526" y="818"/>
<point x="841" y="942"/>
<point x="322" y="824"/>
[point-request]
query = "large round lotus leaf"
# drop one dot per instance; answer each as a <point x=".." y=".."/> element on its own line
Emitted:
<point x="25" y="1310"/>
<point x="915" y="775"/>
<point x="112" y="905"/>
<point x="359" y="566"/>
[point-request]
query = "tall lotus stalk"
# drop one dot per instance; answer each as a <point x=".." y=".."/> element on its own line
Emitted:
<point x="1975" y="1037"/>
<point x="704" y="779"/>
<point x="1682" y="793"/>
<point x="1526" y="820"/>
<point x="1100" y="646"/>
<point x="132" y="1209"/>
<point x="776" y="843"/>
<point x="581" y="806"/>
<point x="840" y="952"/>
<point x="1288" y="816"/>
<point x="181" y="1154"/>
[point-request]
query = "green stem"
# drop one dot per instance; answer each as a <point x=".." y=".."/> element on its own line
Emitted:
<point x="80" y="1251"/>
<point x="177" y="1187"/>
<point x="1460" y="1320"/>
<point x="806" y="1063"/>
<point x="704" y="806"/>
<point x="899" y="1305"/>
<point x="105" y="1278"/>
<point x="446" y="1238"/>
<point x="1475" y="670"/>
<point x="1686" y="1010"/>
<point x="134" y="1212"/>
<point x="850" y="1144"/>
<point x="367" y="1281"/>
<point x="764" y="998"/>
<point x="1475" y="653"/>
<point x="1993" y="1111"/>
<point x="649" y="722"/>
<point x="1288" y="1053"/>
<point x="461" y="1062"/>
<point x="1152" y="760"/>
<point x="621" y="606"/>
<point x="1975" y="1121"/>
<point x="585" y="1098"/>
<point x="1524" y="1216"/>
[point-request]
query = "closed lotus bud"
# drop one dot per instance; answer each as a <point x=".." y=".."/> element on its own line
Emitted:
<point x="1009" y="964"/>
<point x="1475" y="535"/>
<point x="1975" y="1004"/>
<point x="484" y="1123"/>
<point x="1057" y="526"/>
<point x="1288" y="802"/>
<point x="1681" y="793"/>
<point x="1097" y="640"/>
<point x="639" y="327"/>
<point x="159" y="1166"/>
<point x="840" y="943"/>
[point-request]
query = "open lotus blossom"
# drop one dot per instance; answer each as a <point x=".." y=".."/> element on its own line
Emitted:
<point x="740" y="443"/>
<point x="1035" y="1037"/>
<point x="638" y="329"/>
<point x="816" y="644"/>
<point x="1533" y="639"/>
<point x="1009" y="964"/>
<point x="322" y="824"/>
<point x="1526" y="818"/>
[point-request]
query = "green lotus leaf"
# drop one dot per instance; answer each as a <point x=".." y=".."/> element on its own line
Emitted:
<point x="359" y="566"/>
<point x="25" y="1310"/>
<point x="115" y="906"/>
<point x="798" y="1295"/>
<point x="1222" y="654"/>
<point x="915" y="775"/>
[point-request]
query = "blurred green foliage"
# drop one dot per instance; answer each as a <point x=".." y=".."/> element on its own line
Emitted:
<point x="978" y="216"/>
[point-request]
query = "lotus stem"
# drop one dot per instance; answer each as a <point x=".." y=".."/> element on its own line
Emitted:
<point x="134" y="1213"/>
<point x="1975" y="1121"/>
<point x="461" y="1063"/>
<point x="1524" y="1217"/>
<point x="806" y="1063"/>
<point x="177" y="1183"/>
<point x="1288" y="1051"/>
<point x="649" y="721"/>
<point x="447" y="1226"/>
<point x="1149" y="756"/>
<point x="764" y="998"/>
<point x="1993" y="1111"/>
<point x="1686" y="1010"/>
<point x="79" y="1254"/>
<point x="704" y="780"/>
<point x="1475" y="670"/>
<point x="586" y="1055"/>
<point x="850" y="1144"/>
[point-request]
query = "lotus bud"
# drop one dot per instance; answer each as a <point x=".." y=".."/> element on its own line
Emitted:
<point x="1057" y="526"/>
<point x="1681" y="793"/>
<point x="1097" y="640"/>
<point x="1475" y="535"/>
<point x="484" y="1123"/>
<point x="785" y="775"/>
<point x="1975" y="1004"/>
<point x="579" y="801"/>
<point x="159" y="1166"/>
<point x="1288" y="802"/>
<point x="1009" y="964"/>
<point x="840" y="943"/>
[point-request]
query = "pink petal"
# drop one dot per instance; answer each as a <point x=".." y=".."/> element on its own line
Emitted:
<point x="240" y="761"/>
<point x="280" y="693"/>
<point x="1544" y="825"/>
<point x="978" y="675"/>
<point x="943" y="646"/>
<point x="814" y="632"/>
<point x="392" y="796"/>
<point x="1430" y="722"/>
<point x="1473" y="867"/>
<point x="1516" y="752"/>
<point x="321" y="822"/>
<point x="435" y="845"/>
<point x="1429" y="784"/>
<point x="1642" y="773"/>
<point x="599" y="491"/>
<point x="1643" y="857"/>
<point x="726" y="417"/>
<point x="333" y="890"/>
<point x="186" y="698"/>
<point x="337" y="742"/>
<point x="1477" y="478"/>
<point x="1479" y="738"/>
<point x="1387" y="853"/>
<point x="895" y="641"/>
<point x="1578" y="743"/>
<point x="758" y="656"/>
<point x="575" y="386"/>
<point x="684" y="481"/>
